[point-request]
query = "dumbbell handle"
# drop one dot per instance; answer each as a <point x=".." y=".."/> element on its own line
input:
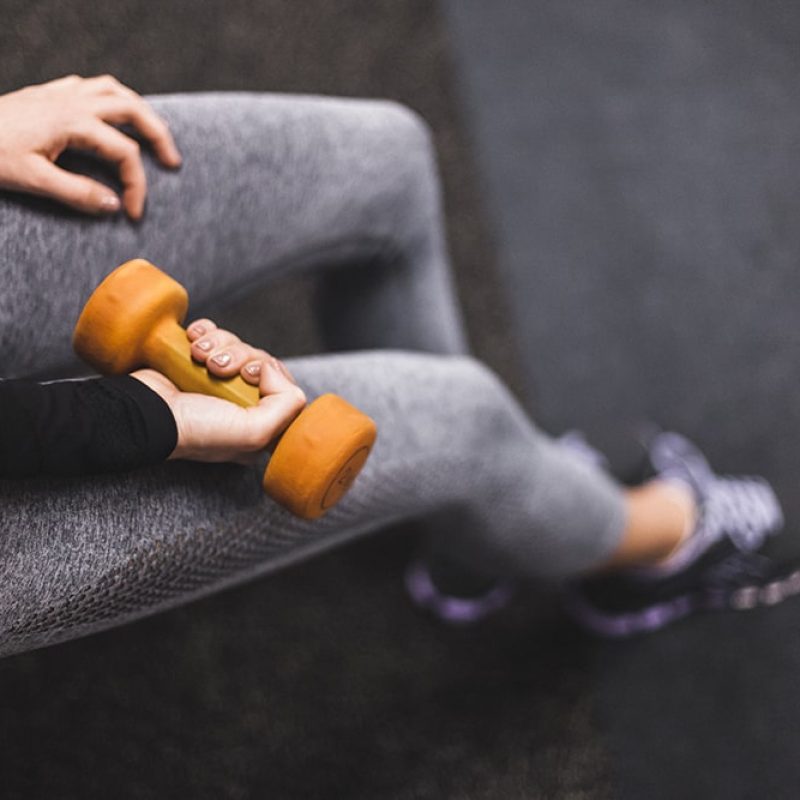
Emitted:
<point x="168" y="350"/>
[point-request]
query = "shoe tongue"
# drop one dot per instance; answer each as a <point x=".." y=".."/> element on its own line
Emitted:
<point x="744" y="510"/>
<point x="675" y="458"/>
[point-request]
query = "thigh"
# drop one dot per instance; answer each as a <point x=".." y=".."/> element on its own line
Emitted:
<point x="81" y="554"/>
<point x="269" y="184"/>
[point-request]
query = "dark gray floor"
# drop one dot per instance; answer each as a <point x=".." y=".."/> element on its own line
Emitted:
<point x="321" y="682"/>
<point x="641" y="162"/>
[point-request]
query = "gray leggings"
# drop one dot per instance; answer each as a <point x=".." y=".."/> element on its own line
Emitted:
<point x="270" y="185"/>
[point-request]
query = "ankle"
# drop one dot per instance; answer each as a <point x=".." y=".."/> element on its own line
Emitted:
<point x="661" y="516"/>
<point x="683" y="523"/>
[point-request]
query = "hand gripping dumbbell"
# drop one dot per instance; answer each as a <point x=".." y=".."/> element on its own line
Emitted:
<point x="133" y="319"/>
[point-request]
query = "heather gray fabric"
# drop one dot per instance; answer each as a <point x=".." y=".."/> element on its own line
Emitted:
<point x="271" y="185"/>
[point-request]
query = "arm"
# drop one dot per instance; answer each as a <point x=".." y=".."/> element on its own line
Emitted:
<point x="120" y="423"/>
<point x="80" y="427"/>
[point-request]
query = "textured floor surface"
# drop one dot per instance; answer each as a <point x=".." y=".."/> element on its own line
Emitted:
<point x="640" y="159"/>
<point x="320" y="682"/>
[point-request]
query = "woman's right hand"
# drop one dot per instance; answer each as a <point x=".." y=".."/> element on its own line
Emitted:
<point x="210" y="429"/>
<point x="38" y="123"/>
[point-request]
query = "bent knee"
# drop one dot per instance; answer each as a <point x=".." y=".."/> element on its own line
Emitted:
<point x="407" y="124"/>
<point x="400" y="136"/>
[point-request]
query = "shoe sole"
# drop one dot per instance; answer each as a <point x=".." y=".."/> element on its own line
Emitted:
<point x="455" y="611"/>
<point x="659" y="615"/>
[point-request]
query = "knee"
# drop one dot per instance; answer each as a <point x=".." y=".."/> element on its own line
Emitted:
<point x="490" y="403"/>
<point x="407" y="126"/>
<point x="404" y="140"/>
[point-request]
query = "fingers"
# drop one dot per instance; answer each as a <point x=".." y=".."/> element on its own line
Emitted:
<point x="135" y="111"/>
<point x="252" y="371"/>
<point x="274" y="378"/>
<point x="281" y="402"/>
<point x="194" y="330"/>
<point x="77" y="191"/>
<point x="74" y="112"/>
<point x="120" y="105"/>
<point x="225" y="355"/>
<point x="110" y="144"/>
<point x="211" y="345"/>
<point x="228" y="359"/>
<point x="234" y="357"/>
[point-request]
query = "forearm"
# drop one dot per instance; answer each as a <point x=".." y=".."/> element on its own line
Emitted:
<point x="82" y="427"/>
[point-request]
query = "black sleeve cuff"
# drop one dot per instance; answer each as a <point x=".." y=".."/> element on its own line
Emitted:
<point x="82" y="427"/>
<point x="160" y="431"/>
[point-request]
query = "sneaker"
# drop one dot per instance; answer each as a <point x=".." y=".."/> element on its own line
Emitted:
<point x="459" y="599"/>
<point x="721" y="565"/>
<point x="461" y="606"/>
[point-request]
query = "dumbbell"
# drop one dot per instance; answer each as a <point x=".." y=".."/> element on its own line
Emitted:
<point x="133" y="319"/>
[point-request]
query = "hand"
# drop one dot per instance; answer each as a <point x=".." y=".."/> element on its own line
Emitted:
<point x="210" y="429"/>
<point x="39" y="122"/>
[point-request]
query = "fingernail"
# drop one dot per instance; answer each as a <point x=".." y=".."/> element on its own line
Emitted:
<point x="253" y="369"/>
<point x="205" y="346"/>
<point x="110" y="203"/>
<point x="222" y="359"/>
<point x="198" y="329"/>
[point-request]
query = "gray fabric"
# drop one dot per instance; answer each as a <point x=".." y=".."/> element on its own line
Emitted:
<point x="273" y="185"/>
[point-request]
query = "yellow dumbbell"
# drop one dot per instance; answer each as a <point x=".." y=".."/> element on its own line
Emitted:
<point x="133" y="319"/>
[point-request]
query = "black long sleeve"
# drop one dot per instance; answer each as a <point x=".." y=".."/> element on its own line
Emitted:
<point x="82" y="427"/>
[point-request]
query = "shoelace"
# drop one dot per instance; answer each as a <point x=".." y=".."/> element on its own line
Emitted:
<point x="743" y="508"/>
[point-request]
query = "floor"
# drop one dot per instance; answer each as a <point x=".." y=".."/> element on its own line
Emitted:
<point x="638" y="159"/>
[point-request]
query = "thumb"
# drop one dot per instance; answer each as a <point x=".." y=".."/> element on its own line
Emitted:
<point x="277" y="409"/>
<point x="77" y="191"/>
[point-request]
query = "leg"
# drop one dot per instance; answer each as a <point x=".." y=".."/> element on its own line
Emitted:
<point x="83" y="555"/>
<point x="270" y="184"/>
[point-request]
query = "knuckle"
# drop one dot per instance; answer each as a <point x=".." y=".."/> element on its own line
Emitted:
<point x="158" y="123"/>
<point x="298" y="397"/>
<point x="88" y="194"/>
<point x="34" y="177"/>
<point x="408" y="121"/>
<point x="132" y="148"/>
<point x="258" y="438"/>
